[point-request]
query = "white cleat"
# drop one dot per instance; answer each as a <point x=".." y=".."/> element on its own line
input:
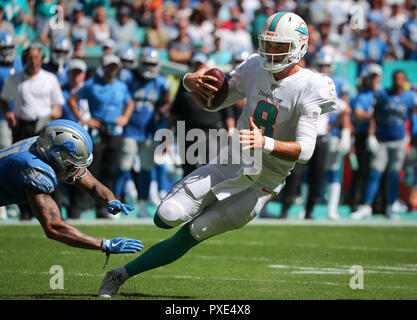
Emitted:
<point x="110" y="284"/>
<point x="363" y="212"/>
<point x="333" y="215"/>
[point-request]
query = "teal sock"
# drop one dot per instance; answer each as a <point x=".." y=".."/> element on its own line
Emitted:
<point x="164" y="252"/>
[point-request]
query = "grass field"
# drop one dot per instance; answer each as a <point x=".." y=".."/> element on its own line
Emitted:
<point x="256" y="262"/>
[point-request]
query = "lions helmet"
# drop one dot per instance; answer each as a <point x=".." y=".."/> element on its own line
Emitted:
<point x="149" y="63"/>
<point x="7" y="48"/>
<point x="324" y="62"/>
<point x="283" y="27"/>
<point x="67" y="147"/>
<point x="128" y="57"/>
<point x="61" y="51"/>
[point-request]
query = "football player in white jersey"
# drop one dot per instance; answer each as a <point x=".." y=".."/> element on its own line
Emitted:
<point x="284" y="102"/>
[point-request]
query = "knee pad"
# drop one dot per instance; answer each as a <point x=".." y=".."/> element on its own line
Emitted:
<point x="170" y="213"/>
<point x="225" y="216"/>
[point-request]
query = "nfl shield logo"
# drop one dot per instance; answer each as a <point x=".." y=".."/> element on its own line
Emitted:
<point x="315" y="115"/>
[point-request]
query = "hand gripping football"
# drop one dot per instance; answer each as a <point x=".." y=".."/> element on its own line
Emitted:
<point x="222" y="86"/>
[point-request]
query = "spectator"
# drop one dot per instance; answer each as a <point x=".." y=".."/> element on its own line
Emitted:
<point x="54" y="29"/>
<point x="99" y="31"/>
<point x="78" y="46"/>
<point x="43" y="11"/>
<point x="387" y="141"/>
<point x="123" y="31"/>
<point x="169" y="18"/>
<point x="14" y="8"/>
<point x="111" y="106"/>
<point x="200" y="30"/>
<point x="90" y="6"/>
<point x="5" y="26"/>
<point x="409" y="35"/>
<point x="80" y="23"/>
<point x="157" y="36"/>
<point x="37" y="98"/>
<point x="371" y="48"/>
<point x="181" y="49"/>
<point x="24" y="33"/>
<point x="393" y="29"/>
<point x="220" y="56"/>
<point x="150" y="90"/>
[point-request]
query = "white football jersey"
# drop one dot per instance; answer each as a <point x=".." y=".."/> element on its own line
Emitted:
<point x="286" y="110"/>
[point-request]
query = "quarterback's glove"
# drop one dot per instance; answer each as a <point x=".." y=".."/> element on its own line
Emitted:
<point x="372" y="144"/>
<point x="120" y="245"/>
<point x="115" y="206"/>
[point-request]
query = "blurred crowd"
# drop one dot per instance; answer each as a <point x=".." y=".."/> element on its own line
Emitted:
<point x="196" y="33"/>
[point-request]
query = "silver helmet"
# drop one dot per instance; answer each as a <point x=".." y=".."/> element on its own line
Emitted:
<point x="7" y="48"/>
<point x="149" y="63"/>
<point x="67" y="147"/>
<point x="61" y="51"/>
<point x="127" y="56"/>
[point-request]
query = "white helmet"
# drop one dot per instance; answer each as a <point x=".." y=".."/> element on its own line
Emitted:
<point x="7" y="48"/>
<point x="283" y="27"/>
<point x="149" y="63"/>
<point x="67" y="147"/>
<point x="127" y="57"/>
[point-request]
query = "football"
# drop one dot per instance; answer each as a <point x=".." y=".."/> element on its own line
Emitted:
<point x="222" y="85"/>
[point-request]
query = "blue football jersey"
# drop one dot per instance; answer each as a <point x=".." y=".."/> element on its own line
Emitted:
<point x="6" y="72"/>
<point x="107" y="101"/>
<point x="393" y="111"/>
<point x="365" y="101"/>
<point x="409" y="31"/>
<point x="146" y="94"/>
<point x="21" y="167"/>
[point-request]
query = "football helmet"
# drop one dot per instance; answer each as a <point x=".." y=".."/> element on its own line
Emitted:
<point x="128" y="57"/>
<point x="149" y="63"/>
<point x="7" y="48"/>
<point x="282" y="27"/>
<point x="67" y="147"/>
<point x="61" y="51"/>
<point x="324" y="60"/>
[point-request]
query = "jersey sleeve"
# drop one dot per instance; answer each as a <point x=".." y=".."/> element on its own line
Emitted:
<point x="320" y="98"/>
<point x="237" y="84"/>
<point x="321" y="93"/>
<point x="39" y="178"/>
<point x="8" y="90"/>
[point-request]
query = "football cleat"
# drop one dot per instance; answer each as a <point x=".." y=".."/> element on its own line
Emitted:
<point x="364" y="211"/>
<point x="110" y="284"/>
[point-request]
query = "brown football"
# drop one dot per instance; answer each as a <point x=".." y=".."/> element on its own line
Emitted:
<point x="222" y="85"/>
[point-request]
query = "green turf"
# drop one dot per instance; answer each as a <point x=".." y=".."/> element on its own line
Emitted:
<point x="256" y="262"/>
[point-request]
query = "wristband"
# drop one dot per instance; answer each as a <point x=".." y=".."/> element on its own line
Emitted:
<point x="104" y="245"/>
<point x="269" y="145"/>
<point x="183" y="82"/>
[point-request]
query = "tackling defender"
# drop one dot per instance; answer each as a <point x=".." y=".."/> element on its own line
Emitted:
<point x="31" y="169"/>
<point x="280" y="116"/>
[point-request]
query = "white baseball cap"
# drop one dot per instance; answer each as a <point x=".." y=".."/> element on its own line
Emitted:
<point x="77" y="64"/>
<point x="111" y="58"/>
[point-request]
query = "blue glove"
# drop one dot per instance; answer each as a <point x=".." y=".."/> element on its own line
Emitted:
<point x="121" y="245"/>
<point x="116" y="206"/>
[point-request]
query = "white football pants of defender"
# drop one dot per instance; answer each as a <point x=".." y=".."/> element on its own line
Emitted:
<point x="131" y="148"/>
<point x="391" y="153"/>
<point x="192" y="199"/>
<point x="334" y="159"/>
